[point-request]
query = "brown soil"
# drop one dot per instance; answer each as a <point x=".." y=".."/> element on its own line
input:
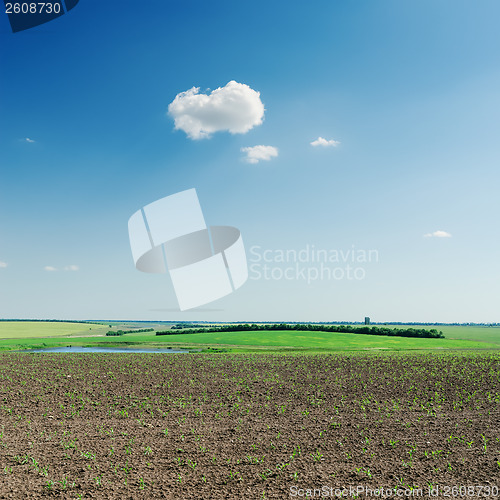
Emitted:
<point x="247" y="426"/>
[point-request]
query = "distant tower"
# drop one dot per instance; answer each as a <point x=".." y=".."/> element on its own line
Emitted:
<point x="367" y="320"/>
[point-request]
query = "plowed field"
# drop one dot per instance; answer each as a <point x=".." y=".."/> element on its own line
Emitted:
<point x="247" y="426"/>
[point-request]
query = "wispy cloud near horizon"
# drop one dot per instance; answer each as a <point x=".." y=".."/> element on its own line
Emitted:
<point x="438" y="234"/>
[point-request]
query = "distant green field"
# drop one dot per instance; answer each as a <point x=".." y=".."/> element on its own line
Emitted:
<point x="490" y="334"/>
<point x="42" y="329"/>
<point x="481" y="333"/>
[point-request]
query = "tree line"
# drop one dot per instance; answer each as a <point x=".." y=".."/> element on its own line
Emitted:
<point x="363" y="330"/>
<point x="117" y="333"/>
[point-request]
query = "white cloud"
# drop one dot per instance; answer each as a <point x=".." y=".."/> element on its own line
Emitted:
<point x="3" y="264"/>
<point x="27" y="139"/>
<point x="236" y="108"/>
<point x="320" y="141"/>
<point x="438" y="234"/>
<point x="72" y="267"/>
<point x="259" y="153"/>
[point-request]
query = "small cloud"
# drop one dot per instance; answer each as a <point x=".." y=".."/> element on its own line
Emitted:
<point x="236" y="108"/>
<point x="437" y="234"/>
<point x="3" y="264"/>
<point x="259" y="153"/>
<point x="320" y="141"/>
<point x="49" y="268"/>
<point x="73" y="267"/>
<point x="27" y="139"/>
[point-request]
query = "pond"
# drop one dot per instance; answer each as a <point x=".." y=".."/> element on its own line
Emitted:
<point x="76" y="349"/>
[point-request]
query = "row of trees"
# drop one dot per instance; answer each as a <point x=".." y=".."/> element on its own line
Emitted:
<point x="117" y="333"/>
<point x="366" y="330"/>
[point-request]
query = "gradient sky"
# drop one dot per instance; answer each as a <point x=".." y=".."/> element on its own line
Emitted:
<point x="411" y="90"/>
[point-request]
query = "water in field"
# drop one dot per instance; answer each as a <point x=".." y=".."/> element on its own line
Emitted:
<point x="80" y="350"/>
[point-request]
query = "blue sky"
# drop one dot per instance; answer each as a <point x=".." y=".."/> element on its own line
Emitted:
<point x="411" y="91"/>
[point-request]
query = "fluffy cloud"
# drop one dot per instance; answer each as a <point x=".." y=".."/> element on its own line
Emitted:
<point x="438" y="234"/>
<point x="49" y="268"/>
<point x="236" y="108"/>
<point x="27" y="139"/>
<point x="3" y="264"/>
<point x="320" y="141"/>
<point x="259" y="153"/>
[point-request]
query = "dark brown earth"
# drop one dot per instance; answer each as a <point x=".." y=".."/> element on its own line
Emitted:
<point x="247" y="426"/>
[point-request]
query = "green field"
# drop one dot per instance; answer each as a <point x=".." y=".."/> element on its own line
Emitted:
<point x="475" y="333"/>
<point x="482" y="333"/>
<point x="25" y="335"/>
<point x="318" y="341"/>
<point x="42" y="329"/>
